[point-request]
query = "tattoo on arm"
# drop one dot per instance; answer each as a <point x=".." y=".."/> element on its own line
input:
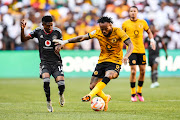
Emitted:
<point x="150" y="35"/>
<point x="130" y="47"/>
<point x="79" y="38"/>
<point x="127" y="41"/>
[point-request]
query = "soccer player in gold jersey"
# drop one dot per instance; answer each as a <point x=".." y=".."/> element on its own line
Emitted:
<point x="134" y="28"/>
<point x="111" y="57"/>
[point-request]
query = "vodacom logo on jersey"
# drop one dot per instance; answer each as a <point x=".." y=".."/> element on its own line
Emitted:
<point x="47" y="42"/>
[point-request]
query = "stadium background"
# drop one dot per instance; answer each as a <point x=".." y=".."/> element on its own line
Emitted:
<point x="78" y="17"/>
<point x="21" y="90"/>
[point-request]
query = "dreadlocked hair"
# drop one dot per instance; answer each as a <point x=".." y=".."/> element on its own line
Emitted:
<point x="105" y="19"/>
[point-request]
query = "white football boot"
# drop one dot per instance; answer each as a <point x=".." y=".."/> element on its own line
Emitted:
<point x="61" y="100"/>
<point x="154" y="85"/>
<point x="49" y="107"/>
<point x="157" y="84"/>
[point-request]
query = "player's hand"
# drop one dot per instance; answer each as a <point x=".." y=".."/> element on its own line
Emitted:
<point x="153" y="45"/>
<point x="23" y="24"/>
<point x="58" y="48"/>
<point x="125" y="60"/>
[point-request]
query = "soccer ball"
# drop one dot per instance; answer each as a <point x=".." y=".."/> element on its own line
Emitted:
<point x="97" y="104"/>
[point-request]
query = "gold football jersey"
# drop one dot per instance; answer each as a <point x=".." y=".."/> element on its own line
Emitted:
<point x="111" y="47"/>
<point x="134" y="30"/>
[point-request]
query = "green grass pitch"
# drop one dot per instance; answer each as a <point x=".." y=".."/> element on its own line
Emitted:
<point x="24" y="99"/>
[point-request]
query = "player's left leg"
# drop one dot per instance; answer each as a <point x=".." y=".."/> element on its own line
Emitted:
<point x="61" y="86"/>
<point x="142" y="69"/>
<point x="154" y="76"/>
<point x="58" y="74"/>
<point x="133" y="83"/>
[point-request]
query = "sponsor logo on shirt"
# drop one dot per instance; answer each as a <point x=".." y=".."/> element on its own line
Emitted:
<point x="48" y="43"/>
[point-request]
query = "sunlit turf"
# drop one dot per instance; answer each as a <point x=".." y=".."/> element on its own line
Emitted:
<point x="24" y="99"/>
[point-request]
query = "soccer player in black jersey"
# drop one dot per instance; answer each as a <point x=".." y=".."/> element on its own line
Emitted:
<point x="51" y="63"/>
<point x="153" y="57"/>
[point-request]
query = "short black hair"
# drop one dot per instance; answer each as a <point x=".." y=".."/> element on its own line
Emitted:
<point x="47" y="18"/>
<point x="105" y="19"/>
<point x="133" y="7"/>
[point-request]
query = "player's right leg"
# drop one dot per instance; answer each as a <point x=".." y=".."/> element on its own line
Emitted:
<point x="94" y="81"/>
<point x="133" y="83"/>
<point x="46" y="80"/>
<point x="45" y="75"/>
<point x="96" y="77"/>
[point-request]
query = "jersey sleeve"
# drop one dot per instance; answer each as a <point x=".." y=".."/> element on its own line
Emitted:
<point x="34" y="33"/>
<point x="122" y="34"/>
<point x="145" y="26"/>
<point x="123" y="26"/>
<point x="92" y="34"/>
<point x="59" y="34"/>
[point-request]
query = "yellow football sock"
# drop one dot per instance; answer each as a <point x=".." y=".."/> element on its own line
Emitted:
<point x="133" y="90"/>
<point x="102" y="95"/>
<point x="139" y="89"/>
<point x="99" y="86"/>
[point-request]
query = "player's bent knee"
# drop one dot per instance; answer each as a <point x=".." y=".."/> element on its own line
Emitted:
<point x="115" y="75"/>
<point x="61" y="82"/>
<point x="92" y="86"/>
<point x="110" y="76"/>
<point x="133" y="72"/>
<point x="59" y="78"/>
<point x="45" y="75"/>
<point x="142" y="71"/>
<point x="46" y="79"/>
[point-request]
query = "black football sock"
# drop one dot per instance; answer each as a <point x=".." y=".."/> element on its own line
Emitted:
<point x="47" y="88"/>
<point x="154" y="76"/>
<point x="61" y="86"/>
<point x="133" y="89"/>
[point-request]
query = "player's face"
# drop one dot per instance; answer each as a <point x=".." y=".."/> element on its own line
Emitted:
<point x="133" y="13"/>
<point x="106" y="28"/>
<point x="48" y="26"/>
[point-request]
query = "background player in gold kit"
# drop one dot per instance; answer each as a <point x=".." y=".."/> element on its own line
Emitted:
<point x="134" y="28"/>
<point x="111" y="57"/>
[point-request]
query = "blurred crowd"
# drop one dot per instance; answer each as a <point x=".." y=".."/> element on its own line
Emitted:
<point x="78" y="17"/>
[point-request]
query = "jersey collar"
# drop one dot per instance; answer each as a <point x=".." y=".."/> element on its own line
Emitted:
<point x="134" y="20"/>
<point x="46" y="32"/>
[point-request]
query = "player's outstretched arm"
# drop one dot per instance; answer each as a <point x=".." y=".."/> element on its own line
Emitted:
<point x="129" y="50"/>
<point x="152" y="41"/>
<point x="23" y="37"/>
<point x="72" y="40"/>
<point x="165" y="48"/>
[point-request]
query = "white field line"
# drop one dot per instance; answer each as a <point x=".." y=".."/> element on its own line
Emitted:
<point x="82" y="102"/>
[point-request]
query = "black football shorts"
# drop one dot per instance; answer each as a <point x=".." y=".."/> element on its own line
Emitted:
<point x="101" y="68"/>
<point x="55" y="69"/>
<point x="153" y="60"/>
<point x="137" y="59"/>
